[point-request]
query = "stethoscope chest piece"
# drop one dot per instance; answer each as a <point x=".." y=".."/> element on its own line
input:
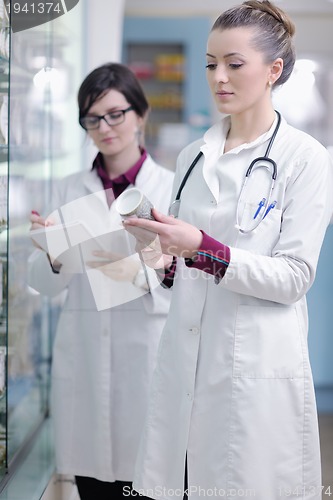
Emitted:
<point x="174" y="208"/>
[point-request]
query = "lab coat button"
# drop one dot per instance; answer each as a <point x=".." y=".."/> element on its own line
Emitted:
<point x="194" y="330"/>
<point x="189" y="396"/>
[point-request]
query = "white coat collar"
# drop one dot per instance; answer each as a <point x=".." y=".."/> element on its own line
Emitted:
<point x="213" y="147"/>
<point x="146" y="172"/>
<point x="93" y="184"/>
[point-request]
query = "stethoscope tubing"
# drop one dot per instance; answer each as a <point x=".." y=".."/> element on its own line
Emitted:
<point x="174" y="207"/>
<point x="188" y="173"/>
<point x="267" y="201"/>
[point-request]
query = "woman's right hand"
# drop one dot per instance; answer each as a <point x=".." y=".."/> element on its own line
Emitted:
<point x="165" y="236"/>
<point x="37" y="222"/>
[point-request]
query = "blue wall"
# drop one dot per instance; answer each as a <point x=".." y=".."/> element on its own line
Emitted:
<point x="320" y="303"/>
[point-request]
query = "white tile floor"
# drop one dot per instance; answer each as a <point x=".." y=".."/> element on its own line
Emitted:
<point x="61" y="488"/>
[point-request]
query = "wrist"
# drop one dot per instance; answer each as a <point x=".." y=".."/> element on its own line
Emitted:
<point x="191" y="254"/>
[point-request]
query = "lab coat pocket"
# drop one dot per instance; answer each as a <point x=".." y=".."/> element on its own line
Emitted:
<point x="268" y="343"/>
<point x="262" y="237"/>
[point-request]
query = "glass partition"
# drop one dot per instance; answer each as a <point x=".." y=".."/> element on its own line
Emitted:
<point x="40" y="70"/>
<point x="4" y="93"/>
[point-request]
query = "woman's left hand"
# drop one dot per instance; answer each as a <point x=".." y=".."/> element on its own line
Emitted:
<point x="114" y="266"/>
<point x="173" y="236"/>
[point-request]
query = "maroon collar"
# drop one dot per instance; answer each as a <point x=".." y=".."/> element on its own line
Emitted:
<point x="120" y="183"/>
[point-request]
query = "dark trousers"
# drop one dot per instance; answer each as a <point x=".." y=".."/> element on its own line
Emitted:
<point x="185" y="497"/>
<point x="92" y="489"/>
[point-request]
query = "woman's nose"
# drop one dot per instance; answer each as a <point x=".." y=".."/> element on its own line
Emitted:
<point x="221" y="74"/>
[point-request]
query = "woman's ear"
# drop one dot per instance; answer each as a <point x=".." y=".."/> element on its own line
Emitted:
<point x="142" y="121"/>
<point x="145" y="118"/>
<point x="275" y="70"/>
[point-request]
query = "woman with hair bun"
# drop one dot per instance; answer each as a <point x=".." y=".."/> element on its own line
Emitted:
<point x="232" y="406"/>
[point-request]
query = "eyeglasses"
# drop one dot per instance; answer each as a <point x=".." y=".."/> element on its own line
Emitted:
<point x="114" y="118"/>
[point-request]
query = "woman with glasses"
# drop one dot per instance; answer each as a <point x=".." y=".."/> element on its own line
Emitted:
<point x="104" y="352"/>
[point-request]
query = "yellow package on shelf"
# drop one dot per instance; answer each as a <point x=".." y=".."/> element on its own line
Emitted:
<point x="170" y="67"/>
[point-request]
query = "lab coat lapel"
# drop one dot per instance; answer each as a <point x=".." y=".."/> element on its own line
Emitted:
<point x="94" y="186"/>
<point x="212" y="150"/>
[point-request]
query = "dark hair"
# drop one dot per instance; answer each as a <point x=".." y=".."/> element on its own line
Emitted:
<point x="274" y="31"/>
<point x="111" y="76"/>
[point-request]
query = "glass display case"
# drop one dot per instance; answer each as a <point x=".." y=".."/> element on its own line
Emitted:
<point x="40" y="69"/>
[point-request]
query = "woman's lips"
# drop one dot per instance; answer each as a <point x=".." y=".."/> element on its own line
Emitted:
<point x="223" y="93"/>
<point x="108" y="140"/>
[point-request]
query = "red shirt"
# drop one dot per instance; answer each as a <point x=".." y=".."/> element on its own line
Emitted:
<point x="114" y="187"/>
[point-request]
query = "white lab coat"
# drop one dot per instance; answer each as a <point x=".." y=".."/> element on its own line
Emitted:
<point x="233" y="387"/>
<point x="102" y="361"/>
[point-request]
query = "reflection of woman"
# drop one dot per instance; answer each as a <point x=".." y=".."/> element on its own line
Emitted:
<point x="233" y="389"/>
<point x="102" y="361"/>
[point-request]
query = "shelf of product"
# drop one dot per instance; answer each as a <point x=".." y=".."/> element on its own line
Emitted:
<point x="160" y="68"/>
<point x="169" y="67"/>
<point x="170" y="99"/>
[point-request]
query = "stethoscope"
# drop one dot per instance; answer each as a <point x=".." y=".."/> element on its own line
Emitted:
<point x="264" y="206"/>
